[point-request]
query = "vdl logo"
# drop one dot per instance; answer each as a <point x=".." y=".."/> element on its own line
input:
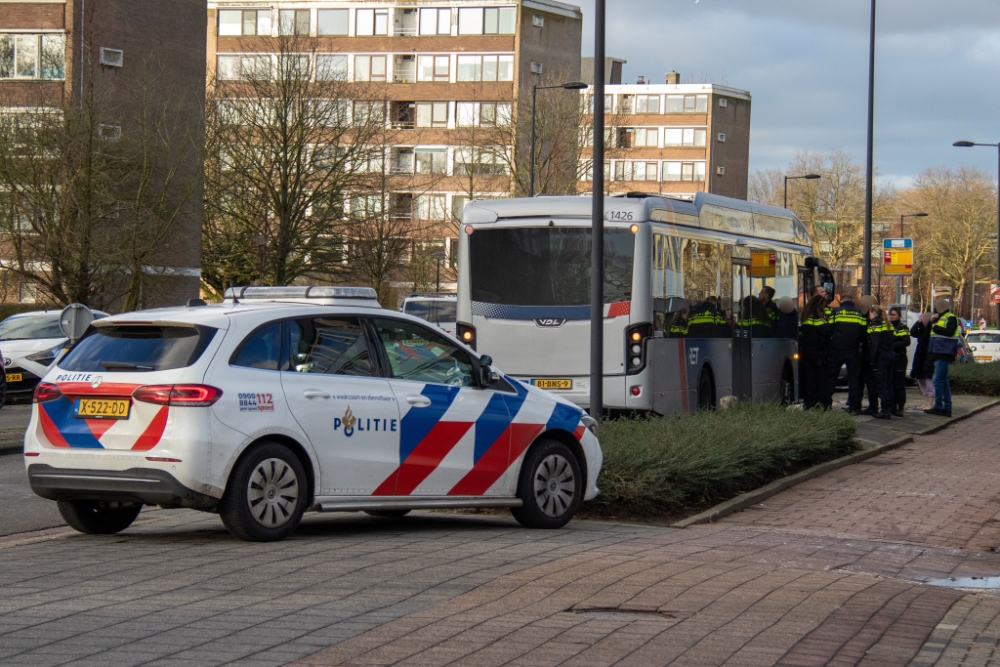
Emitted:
<point x="350" y="424"/>
<point x="551" y="322"/>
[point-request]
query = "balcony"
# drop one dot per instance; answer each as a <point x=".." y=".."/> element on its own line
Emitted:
<point x="404" y="23"/>
<point x="404" y="69"/>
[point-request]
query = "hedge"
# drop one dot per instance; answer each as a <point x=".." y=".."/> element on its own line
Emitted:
<point x="975" y="378"/>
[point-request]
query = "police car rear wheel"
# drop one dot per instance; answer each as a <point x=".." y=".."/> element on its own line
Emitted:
<point x="550" y="486"/>
<point x="96" y="518"/>
<point x="264" y="498"/>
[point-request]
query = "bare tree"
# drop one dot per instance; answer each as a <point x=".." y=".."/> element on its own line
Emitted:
<point x="92" y="191"/>
<point x="288" y="141"/>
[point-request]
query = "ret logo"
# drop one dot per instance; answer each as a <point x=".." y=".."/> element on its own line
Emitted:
<point x="352" y="424"/>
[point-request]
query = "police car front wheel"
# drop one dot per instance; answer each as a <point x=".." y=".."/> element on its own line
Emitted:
<point x="265" y="496"/>
<point x="550" y="486"/>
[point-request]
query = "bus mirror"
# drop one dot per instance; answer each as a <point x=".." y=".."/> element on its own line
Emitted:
<point x="485" y="371"/>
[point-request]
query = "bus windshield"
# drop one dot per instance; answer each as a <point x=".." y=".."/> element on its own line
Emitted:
<point x="547" y="266"/>
<point x="432" y="311"/>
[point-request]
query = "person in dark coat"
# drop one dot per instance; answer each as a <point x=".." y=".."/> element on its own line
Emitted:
<point x="849" y="330"/>
<point x="881" y="341"/>
<point x="901" y="338"/>
<point x="944" y="327"/>
<point x="814" y="351"/>
<point x="922" y="369"/>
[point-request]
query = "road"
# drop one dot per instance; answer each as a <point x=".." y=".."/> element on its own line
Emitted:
<point x="22" y="510"/>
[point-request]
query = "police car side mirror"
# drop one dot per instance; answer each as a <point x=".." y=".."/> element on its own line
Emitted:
<point x="485" y="372"/>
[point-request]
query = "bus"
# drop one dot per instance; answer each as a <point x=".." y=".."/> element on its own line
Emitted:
<point x="687" y="318"/>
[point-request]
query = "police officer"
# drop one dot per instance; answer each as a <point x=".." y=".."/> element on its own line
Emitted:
<point x="881" y="341"/>
<point x="868" y="385"/>
<point x="943" y="348"/>
<point x="849" y="329"/>
<point x="814" y="347"/>
<point x="679" y="327"/>
<point x="901" y="338"/>
<point x="705" y="319"/>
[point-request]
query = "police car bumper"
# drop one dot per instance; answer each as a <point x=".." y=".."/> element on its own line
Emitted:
<point x="148" y="486"/>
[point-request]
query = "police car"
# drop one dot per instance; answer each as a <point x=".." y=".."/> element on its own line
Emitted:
<point x="282" y="400"/>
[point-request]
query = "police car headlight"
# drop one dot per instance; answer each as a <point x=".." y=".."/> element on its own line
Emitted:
<point x="589" y="422"/>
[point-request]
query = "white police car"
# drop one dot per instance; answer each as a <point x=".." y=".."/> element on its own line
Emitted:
<point x="282" y="400"/>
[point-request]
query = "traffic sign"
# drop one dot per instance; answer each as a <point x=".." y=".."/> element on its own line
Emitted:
<point x="941" y="292"/>
<point x="897" y="255"/>
<point x="763" y="263"/>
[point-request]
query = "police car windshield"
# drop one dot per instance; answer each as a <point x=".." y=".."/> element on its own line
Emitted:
<point x="547" y="266"/>
<point x="432" y="311"/>
<point x="138" y="348"/>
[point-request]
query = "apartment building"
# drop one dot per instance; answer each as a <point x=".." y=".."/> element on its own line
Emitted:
<point x="53" y="52"/>
<point x="448" y="67"/>
<point x="673" y="139"/>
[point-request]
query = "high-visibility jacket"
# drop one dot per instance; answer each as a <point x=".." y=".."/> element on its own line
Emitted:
<point x="901" y="336"/>
<point x="814" y="335"/>
<point x="849" y="327"/>
<point x="880" y="338"/>
<point x="945" y="327"/>
<point x="707" y="321"/>
<point x="679" y="329"/>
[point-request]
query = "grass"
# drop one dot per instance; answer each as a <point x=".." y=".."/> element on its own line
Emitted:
<point x="671" y="465"/>
<point x="979" y="379"/>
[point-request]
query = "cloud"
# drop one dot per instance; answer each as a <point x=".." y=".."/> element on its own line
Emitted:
<point x="806" y="66"/>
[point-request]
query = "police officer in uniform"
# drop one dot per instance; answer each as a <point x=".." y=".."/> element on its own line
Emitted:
<point x="850" y="328"/>
<point x="943" y="349"/>
<point x="881" y="341"/>
<point x="901" y="338"/>
<point x="814" y="348"/>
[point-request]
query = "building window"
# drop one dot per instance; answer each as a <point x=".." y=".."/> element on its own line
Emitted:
<point x="635" y="171"/>
<point x="369" y="68"/>
<point x="433" y="68"/>
<point x="687" y="103"/>
<point x="683" y="171"/>
<point x="431" y="160"/>
<point x="458" y="203"/>
<point x="332" y="21"/>
<point x="294" y="68"/>
<point x="487" y="21"/>
<point x="293" y="22"/>
<point x="109" y="132"/>
<point x="675" y="136"/>
<point x="484" y="114"/>
<point x="432" y="114"/>
<point x="32" y="57"/>
<point x="368" y="112"/>
<point x="111" y="57"/>
<point x="371" y="22"/>
<point x="242" y="22"/>
<point x="331" y="68"/>
<point x="435" y="21"/>
<point x="647" y="137"/>
<point x="366" y="205"/>
<point x="486" y="68"/>
<point x="647" y="104"/>
<point x="477" y="162"/>
<point x="247" y="68"/>
<point x="538" y="21"/>
<point x="430" y="207"/>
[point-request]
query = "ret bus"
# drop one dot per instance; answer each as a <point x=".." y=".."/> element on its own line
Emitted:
<point x="683" y="324"/>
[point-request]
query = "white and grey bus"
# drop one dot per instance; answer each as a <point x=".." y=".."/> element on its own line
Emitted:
<point x="683" y="324"/>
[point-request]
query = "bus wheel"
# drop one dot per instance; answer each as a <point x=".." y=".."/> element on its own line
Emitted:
<point x="706" y="391"/>
<point x="787" y="388"/>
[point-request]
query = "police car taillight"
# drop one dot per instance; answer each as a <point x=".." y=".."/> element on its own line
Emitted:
<point x="178" y="395"/>
<point x="45" y="391"/>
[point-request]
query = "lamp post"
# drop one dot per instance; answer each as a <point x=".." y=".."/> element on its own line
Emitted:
<point x="597" y="224"/>
<point x="969" y="144"/>
<point x="899" y="279"/>
<point x="809" y="177"/>
<point x="866" y="269"/>
<point x="572" y="85"/>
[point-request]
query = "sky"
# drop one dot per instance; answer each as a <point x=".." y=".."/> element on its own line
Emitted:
<point x="805" y="63"/>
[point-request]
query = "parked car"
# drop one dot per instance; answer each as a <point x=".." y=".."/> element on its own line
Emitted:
<point x="29" y="343"/>
<point x="984" y="345"/>
<point x="435" y="307"/>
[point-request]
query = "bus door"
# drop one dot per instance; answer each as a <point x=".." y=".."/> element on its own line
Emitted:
<point x="742" y="332"/>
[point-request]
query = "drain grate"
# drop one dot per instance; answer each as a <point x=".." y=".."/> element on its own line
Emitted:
<point x="619" y="614"/>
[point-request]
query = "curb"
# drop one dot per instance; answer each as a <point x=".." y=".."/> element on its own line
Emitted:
<point x="745" y="500"/>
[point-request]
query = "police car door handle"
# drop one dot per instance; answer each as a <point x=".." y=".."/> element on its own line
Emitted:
<point x="315" y="393"/>
<point x="418" y="400"/>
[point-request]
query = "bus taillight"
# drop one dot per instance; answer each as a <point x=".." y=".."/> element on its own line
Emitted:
<point x="635" y="348"/>
<point x="467" y="334"/>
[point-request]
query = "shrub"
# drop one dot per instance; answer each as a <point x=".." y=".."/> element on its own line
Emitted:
<point x="667" y="464"/>
<point x="982" y="379"/>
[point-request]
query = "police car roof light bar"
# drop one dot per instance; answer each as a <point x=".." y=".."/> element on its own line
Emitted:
<point x="302" y="292"/>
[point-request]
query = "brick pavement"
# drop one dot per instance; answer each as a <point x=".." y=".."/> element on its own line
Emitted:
<point x="831" y="572"/>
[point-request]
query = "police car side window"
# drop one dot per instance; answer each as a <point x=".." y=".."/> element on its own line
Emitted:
<point x="417" y="353"/>
<point x="261" y="349"/>
<point x="329" y="345"/>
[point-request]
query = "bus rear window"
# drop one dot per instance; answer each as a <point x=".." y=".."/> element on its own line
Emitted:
<point x="547" y="266"/>
<point x="138" y="348"/>
<point x="432" y="311"/>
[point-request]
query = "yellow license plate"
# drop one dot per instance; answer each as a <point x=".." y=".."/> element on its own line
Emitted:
<point x="553" y="384"/>
<point x="977" y="359"/>
<point x="14" y="377"/>
<point x="102" y="408"/>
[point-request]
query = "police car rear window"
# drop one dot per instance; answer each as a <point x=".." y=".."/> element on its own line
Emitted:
<point x="138" y="348"/>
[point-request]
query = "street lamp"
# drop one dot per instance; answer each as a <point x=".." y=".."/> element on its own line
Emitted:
<point x="597" y="224"/>
<point x="970" y="144"/>
<point x="899" y="279"/>
<point x="572" y="85"/>
<point x="866" y="269"/>
<point x="808" y="177"/>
